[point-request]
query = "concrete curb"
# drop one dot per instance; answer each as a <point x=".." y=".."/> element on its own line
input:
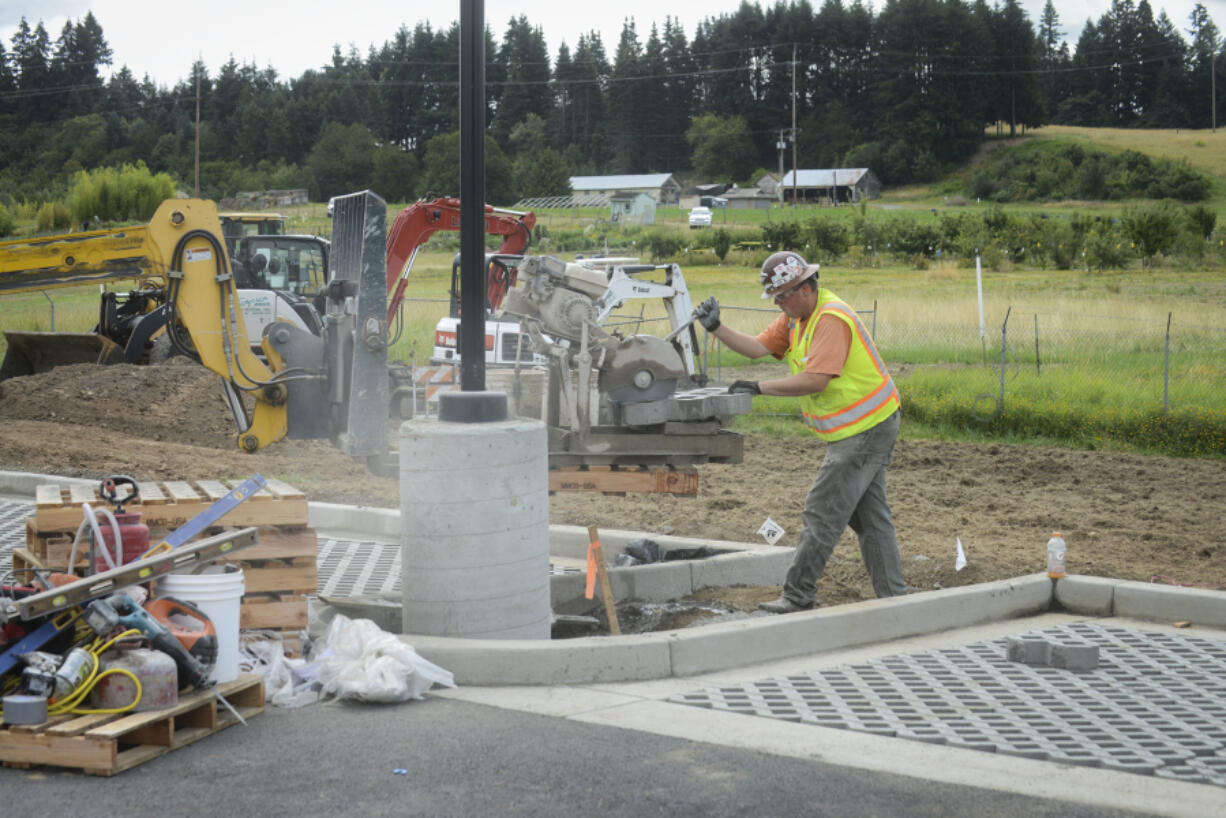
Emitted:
<point x="22" y="484"/>
<point x="730" y="644"/>
<point x="1092" y="596"/>
<point x="743" y="642"/>
<point x="1145" y="601"/>
<point x="878" y="620"/>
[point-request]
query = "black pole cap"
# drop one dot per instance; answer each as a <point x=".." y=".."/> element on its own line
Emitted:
<point x="472" y="407"/>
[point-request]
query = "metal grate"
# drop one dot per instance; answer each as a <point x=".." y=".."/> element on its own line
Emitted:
<point x="13" y="514"/>
<point x="349" y="568"/>
<point x="1155" y="705"/>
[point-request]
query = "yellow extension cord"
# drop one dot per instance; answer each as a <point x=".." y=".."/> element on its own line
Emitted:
<point x="70" y="702"/>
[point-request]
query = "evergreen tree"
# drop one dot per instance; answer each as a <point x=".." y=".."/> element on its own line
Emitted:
<point x="589" y="151"/>
<point x="79" y="53"/>
<point x="524" y="63"/>
<point x="677" y="97"/>
<point x="8" y="83"/>
<point x="561" y="118"/>
<point x="1166" y="81"/>
<point x="625" y="95"/>
<point x="1205" y="43"/>
<point x="930" y="86"/>
<point x="1054" y="60"/>
<point x="31" y="63"/>
<point x="651" y="107"/>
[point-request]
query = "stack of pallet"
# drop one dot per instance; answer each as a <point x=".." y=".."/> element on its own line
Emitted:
<point x="279" y="573"/>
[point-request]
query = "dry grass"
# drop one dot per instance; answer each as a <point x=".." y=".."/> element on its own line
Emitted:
<point x="1202" y="149"/>
<point x="942" y="271"/>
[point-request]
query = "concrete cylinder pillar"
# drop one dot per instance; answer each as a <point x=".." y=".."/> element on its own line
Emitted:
<point x="474" y="510"/>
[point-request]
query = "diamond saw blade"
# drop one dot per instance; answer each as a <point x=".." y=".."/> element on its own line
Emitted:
<point x="640" y="368"/>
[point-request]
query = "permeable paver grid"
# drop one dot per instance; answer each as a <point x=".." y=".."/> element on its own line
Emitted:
<point x="1155" y="705"/>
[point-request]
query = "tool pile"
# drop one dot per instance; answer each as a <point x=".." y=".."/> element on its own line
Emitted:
<point x="106" y="643"/>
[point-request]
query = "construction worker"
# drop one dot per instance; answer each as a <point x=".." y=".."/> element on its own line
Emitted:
<point x="849" y="400"/>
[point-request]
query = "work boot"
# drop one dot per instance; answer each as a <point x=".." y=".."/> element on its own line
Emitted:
<point x="783" y="605"/>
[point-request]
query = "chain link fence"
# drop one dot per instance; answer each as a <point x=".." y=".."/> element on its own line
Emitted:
<point x="1083" y="359"/>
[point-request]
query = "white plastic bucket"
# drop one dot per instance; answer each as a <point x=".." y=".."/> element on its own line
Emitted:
<point x="219" y="594"/>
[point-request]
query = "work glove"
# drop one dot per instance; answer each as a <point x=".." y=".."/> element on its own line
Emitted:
<point x="707" y="314"/>
<point x="745" y="386"/>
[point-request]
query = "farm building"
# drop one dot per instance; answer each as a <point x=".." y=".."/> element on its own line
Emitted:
<point x="831" y="186"/>
<point x="749" y="198"/>
<point x="701" y="195"/>
<point x="769" y="184"/>
<point x="632" y="208"/>
<point x="661" y="187"/>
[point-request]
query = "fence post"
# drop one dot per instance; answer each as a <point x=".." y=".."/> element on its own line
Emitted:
<point x="1037" y="370"/>
<point x="50" y="301"/>
<point x="983" y="343"/>
<point x="1004" y="346"/>
<point x="1166" y="369"/>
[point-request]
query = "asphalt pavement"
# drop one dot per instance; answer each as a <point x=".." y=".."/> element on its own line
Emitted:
<point x="447" y="757"/>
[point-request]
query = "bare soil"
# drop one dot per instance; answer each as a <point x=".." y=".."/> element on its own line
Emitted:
<point x="1124" y="516"/>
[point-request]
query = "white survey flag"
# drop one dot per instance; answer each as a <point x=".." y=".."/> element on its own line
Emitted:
<point x="960" y="560"/>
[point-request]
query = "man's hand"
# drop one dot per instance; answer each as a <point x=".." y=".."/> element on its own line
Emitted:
<point x="707" y="314"/>
<point x="745" y="386"/>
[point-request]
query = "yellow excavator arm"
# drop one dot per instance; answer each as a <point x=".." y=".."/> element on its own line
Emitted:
<point x="182" y="250"/>
<point x="204" y="298"/>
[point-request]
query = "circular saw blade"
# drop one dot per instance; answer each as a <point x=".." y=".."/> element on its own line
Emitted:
<point x="640" y="368"/>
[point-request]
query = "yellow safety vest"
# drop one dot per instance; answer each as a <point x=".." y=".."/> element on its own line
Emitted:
<point x="862" y="396"/>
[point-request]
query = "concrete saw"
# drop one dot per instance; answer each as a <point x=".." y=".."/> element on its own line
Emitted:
<point x="639" y="368"/>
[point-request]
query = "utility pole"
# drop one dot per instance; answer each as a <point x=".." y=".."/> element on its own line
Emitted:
<point x="196" y="189"/>
<point x="793" y="125"/>
<point x="782" y="146"/>
<point x="1213" y="88"/>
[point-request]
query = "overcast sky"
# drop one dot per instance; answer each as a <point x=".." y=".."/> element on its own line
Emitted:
<point x="162" y="39"/>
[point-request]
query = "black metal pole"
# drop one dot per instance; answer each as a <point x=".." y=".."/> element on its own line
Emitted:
<point x="472" y="196"/>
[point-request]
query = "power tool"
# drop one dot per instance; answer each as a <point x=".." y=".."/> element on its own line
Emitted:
<point x="120" y="610"/>
<point x="190" y="625"/>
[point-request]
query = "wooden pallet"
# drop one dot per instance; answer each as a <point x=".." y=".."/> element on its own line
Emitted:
<point x="172" y="503"/>
<point x="109" y="744"/>
<point x="680" y="480"/>
<point x="279" y="573"/>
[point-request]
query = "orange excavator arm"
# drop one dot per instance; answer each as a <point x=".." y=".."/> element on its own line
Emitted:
<point x="420" y="220"/>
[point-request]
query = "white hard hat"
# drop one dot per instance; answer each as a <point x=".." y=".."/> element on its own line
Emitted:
<point x="784" y="270"/>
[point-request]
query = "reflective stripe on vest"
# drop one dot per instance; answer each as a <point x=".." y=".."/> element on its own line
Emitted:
<point x="862" y="396"/>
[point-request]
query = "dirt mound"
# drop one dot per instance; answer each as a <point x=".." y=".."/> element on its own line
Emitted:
<point x="1124" y="516"/>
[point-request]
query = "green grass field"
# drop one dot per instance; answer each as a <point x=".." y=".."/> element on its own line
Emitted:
<point x="1087" y="360"/>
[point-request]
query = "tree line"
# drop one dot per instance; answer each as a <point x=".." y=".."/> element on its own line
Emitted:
<point x="906" y="90"/>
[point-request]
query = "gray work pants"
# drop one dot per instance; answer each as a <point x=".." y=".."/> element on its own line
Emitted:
<point x="850" y="490"/>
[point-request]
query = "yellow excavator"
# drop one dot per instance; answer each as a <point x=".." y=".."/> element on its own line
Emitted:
<point x="189" y="300"/>
<point x="615" y="398"/>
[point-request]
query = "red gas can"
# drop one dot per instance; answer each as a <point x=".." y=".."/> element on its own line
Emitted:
<point x="133" y="534"/>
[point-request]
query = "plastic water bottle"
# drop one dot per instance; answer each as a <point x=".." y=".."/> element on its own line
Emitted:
<point x="1055" y="555"/>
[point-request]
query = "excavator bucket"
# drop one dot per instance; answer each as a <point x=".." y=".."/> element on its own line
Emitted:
<point x="29" y="353"/>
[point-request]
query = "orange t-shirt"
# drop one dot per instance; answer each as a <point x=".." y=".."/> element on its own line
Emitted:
<point x="827" y="350"/>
